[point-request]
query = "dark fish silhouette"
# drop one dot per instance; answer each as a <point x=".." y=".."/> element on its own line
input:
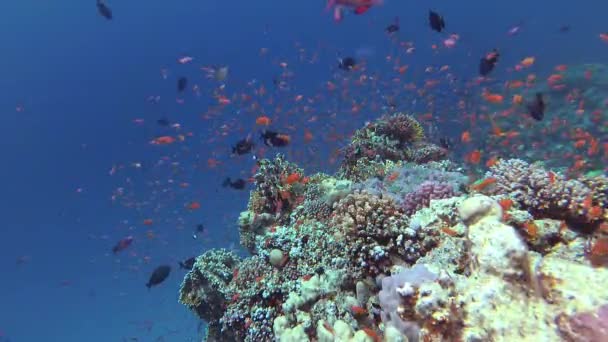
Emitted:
<point x="394" y="27"/>
<point x="104" y="10"/>
<point x="200" y="228"/>
<point x="188" y="263"/>
<point x="487" y="63"/>
<point x="163" y="122"/>
<point x="182" y="83"/>
<point x="347" y="63"/>
<point x="536" y="108"/>
<point x="564" y="29"/>
<point x="159" y="275"/>
<point x="275" y="139"/>
<point x="238" y="184"/>
<point x="243" y="146"/>
<point x="446" y="143"/>
<point x="122" y="244"/>
<point x="436" y="21"/>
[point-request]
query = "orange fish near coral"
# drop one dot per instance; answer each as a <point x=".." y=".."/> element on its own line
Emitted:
<point x="474" y="157"/>
<point x="292" y="178"/>
<point x="465" y="137"/>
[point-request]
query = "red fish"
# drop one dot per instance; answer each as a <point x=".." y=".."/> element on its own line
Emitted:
<point x="358" y="6"/>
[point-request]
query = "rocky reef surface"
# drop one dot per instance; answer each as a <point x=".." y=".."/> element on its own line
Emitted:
<point x="398" y="247"/>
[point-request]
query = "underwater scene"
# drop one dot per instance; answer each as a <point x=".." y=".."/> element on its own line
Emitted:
<point x="324" y="171"/>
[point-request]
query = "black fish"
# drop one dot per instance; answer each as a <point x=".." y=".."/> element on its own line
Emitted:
<point x="200" y="228"/>
<point x="394" y="27"/>
<point x="347" y="63"/>
<point x="159" y="275"/>
<point x="238" y="184"/>
<point x="182" y="83"/>
<point x="243" y="146"/>
<point x="163" y="122"/>
<point x="564" y="29"/>
<point x="446" y="143"/>
<point x="274" y="139"/>
<point x="104" y="10"/>
<point x="536" y="108"/>
<point x="436" y="21"/>
<point x="487" y="63"/>
<point x="188" y="263"/>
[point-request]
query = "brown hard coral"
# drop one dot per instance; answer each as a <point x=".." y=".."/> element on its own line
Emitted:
<point x="397" y="137"/>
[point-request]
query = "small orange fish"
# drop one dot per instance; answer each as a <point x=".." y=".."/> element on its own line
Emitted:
<point x="194" y="205"/>
<point x="263" y="121"/>
<point x="164" y="140"/>
<point x="474" y="157"/>
<point x="358" y="311"/>
<point x="483" y="184"/>
<point x="561" y="67"/>
<point x="465" y="137"/>
<point x="148" y="222"/>
<point x="493" y="98"/>
<point x="292" y="178"/>
<point x="527" y="62"/>
<point x="308" y="136"/>
<point x="492" y="161"/>
<point x="518" y="99"/>
<point x="516" y="84"/>
<point x="506" y="203"/>
<point x="604" y="37"/>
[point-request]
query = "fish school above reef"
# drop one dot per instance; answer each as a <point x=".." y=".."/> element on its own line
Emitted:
<point x="397" y="246"/>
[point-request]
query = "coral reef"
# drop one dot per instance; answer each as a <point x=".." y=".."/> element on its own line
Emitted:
<point x="549" y="194"/>
<point x="409" y="254"/>
<point x="397" y="137"/>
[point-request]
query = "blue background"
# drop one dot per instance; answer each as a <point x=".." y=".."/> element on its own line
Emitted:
<point x="82" y="80"/>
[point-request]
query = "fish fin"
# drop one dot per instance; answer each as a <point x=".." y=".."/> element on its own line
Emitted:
<point x="362" y="9"/>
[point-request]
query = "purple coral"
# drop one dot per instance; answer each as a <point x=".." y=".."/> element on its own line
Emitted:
<point x="421" y="197"/>
<point x="585" y="326"/>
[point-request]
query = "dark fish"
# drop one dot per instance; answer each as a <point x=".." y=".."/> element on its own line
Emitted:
<point x="564" y="29"/>
<point x="487" y="63"/>
<point x="274" y="139"/>
<point x="163" y="122"/>
<point x="159" y="275"/>
<point x="446" y="143"/>
<point x="104" y="10"/>
<point x="536" y="108"/>
<point x="188" y="263"/>
<point x="200" y="228"/>
<point x="238" y="184"/>
<point x="394" y="27"/>
<point x="182" y="83"/>
<point x="122" y="244"/>
<point x="347" y="63"/>
<point x="243" y="146"/>
<point x="436" y="21"/>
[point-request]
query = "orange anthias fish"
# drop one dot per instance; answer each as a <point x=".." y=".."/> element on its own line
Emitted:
<point x="493" y="98"/>
<point x="465" y="137"/>
<point x="474" y="157"/>
<point x="164" y="140"/>
<point x="292" y="178"/>
<point x="194" y="205"/>
<point x="263" y="121"/>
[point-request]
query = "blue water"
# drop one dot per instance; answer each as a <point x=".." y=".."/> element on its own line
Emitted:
<point x="81" y="80"/>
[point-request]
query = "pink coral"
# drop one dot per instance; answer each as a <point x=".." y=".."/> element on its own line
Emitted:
<point x="421" y="197"/>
